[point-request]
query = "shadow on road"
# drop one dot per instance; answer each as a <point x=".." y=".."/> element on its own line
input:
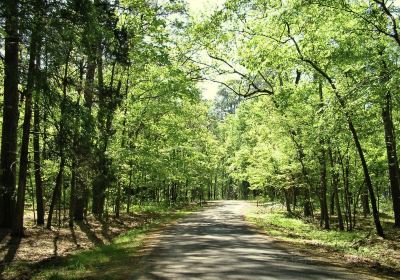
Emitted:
<point x="218" y="244"/>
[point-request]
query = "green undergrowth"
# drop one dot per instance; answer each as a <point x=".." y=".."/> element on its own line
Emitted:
<point x="358" y="246"/>
<point x="116" y="260"/>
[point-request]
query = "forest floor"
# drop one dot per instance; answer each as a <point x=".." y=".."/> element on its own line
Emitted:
<point x="359" y="248"/>
<point x="42" y="248"/>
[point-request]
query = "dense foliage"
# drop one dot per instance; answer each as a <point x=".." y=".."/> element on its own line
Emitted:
<point x="101" y="108"/>
<point x="320" y="128"/>
<point x="116" y="118"/>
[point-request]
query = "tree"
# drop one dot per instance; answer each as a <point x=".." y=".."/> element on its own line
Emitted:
<point x="18" y="226"/>
<point x="10" y="115"/>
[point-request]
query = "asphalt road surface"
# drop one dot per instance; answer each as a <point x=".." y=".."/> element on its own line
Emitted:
<point x="217" y="243"/>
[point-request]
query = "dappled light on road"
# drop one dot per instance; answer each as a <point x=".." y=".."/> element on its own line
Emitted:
<point x="218" y="244"/>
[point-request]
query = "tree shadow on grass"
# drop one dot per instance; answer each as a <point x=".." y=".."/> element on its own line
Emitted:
<point x="3" y="234"/>
<point x="100" y="262"/>
<point x="105" y="229"/>
<point x="87" y="229"/>
<point x="74" y="239"/>
<point x="12" y="247"/>
<point x="55" y="244"/>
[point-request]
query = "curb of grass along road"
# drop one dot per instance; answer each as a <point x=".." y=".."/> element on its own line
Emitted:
<point x="111" y="261"/>
<point x="318" y="252"/>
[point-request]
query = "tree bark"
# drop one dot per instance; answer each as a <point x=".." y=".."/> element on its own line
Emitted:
<point x="365" y="201"/>
<point x="335" y="183"/>
<point x="322" y="189"/>
<point x="72" y="198"/>
<point x="322" y="162"/>
<point x="56" y="193"/>
<point x="101" y="181"/>
<point x="353" y="131"/>
<point x="18" y="226"/>
<point x="393" y="163"/>
<point x="10" y="115"/>
<point x="287" y="201"/>
<point x="307" y="208"/>
<point x="61" y="143"/>
<point x="37" y="160"/>
<point x="118" y="201"/>
<point x="368" y="181"/>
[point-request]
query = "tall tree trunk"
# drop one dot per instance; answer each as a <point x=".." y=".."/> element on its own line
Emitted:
<point x="108" y="103"/>
<point x="123" y="142"/>
<point x="368" y="181"/>
<point x="88" y="92"/>
<point x="332" y="202"/>
<point x="365" y="201"/>
<point x="10" y="115"/>
<point x="37" y="160"/>
<point x="18" y="226"/>
<point x="129" y="191"/>
<point x="308" y="211"/>
<point x="101" y="181"/>
<point x="353" y="131"/>
<point x="56" y="193"/>
<point x="322" y="189"/>
<point x="393" y="163"/>
<point x="287" y="200"/>
<point x="346" y="173"/>
<point x="335" y="183"/>
<point x="85" y="141"/>
<point x="322" y="175"/>
<point x="72" y="198"/>
<point x="61" y="143"/>
<point x="75" y="147"/>
<point x="118" y="201"/>
<point x="294" y="195"/>
<point x="215" y="185"/>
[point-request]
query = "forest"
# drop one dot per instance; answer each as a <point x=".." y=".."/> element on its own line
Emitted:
<point x="103" y="112"/>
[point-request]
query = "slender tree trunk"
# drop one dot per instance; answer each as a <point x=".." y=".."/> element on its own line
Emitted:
<point x="294" y="194"/>
<point x="322" y="176"/>
<point x="332" y="202"/>
<point x="33" y="198"/>
<point x="287" y="200"/>
<point x="75" y="207"/>
<point x="368" y="181"/>
<point x="365" y="202"/>
<point x="81" y="194"/>
<point x="346" y="174"/>
<point x="102" y="178"/>
<point x="335" y="183"/>
<point x="215" y="185"/>
<point x="353" y="131"/>
<point x="72" y="198"/>
<point x="308" y="212"/>
<point x="56" y="197"/>
<point x="88" y="92"/>
<point x="322" y="189"/>
<point x="37" y="161"/>
<point x="118" y="201"/>
<point x="393" y="163"/>
<point x="18" y="226"/>
<point x="56" y="193"/>
<point x="10" y="115"/>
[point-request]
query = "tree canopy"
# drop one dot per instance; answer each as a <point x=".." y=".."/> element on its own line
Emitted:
<point x="102" y="107"/>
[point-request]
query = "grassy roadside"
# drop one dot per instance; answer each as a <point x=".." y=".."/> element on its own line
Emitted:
<point x="109" y="261"/>
<point x="361" y="248"/>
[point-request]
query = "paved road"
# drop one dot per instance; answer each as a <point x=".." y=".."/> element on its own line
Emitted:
<point x="217" y="244"/>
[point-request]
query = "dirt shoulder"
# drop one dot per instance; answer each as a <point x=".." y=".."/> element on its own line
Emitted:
<point x="42" y="247"/>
